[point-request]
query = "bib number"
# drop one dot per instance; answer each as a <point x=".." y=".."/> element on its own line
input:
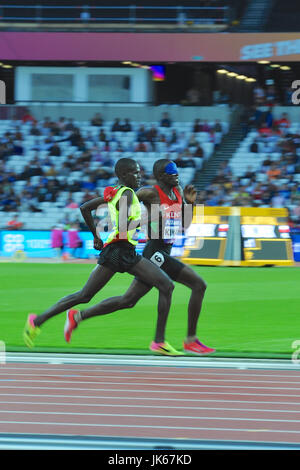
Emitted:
<point x="158" y="259"/>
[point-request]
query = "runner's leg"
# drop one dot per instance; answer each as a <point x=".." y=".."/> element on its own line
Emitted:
<point x="152" y="276"/>
<point x="189" y="278"/>
<point x="98" y="279"/>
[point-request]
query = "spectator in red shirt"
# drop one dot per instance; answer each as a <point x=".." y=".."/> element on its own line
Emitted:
<point x="284" y="121"/>
<point x="27" y="117"/>
<point x="265" y="129"/>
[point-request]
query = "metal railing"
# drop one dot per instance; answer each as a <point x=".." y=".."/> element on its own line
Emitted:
<point x="133" y="14"/>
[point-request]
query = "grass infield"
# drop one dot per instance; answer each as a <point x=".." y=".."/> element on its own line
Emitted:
<point x="247" y="312"/>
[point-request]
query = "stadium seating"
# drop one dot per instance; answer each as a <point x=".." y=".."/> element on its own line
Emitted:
<point x="49" y="212"/>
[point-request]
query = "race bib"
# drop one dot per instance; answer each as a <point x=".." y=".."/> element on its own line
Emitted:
<point x="158" y="259"/>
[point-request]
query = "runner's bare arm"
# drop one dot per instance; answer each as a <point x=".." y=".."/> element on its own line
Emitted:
<point x="147" y="195"/>
<point x="189" y="195"/>
<point x="86" y="211"/>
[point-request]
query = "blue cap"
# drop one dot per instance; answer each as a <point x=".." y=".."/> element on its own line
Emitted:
<point x="171" y="169"/>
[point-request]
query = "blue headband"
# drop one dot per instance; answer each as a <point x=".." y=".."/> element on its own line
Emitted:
<point x="171" y="169"/>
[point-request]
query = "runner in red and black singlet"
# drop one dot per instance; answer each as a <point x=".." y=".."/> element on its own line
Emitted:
<point x="173" y="219"/>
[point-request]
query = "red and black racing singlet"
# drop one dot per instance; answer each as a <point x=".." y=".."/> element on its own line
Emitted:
<point x="170" y="225"/>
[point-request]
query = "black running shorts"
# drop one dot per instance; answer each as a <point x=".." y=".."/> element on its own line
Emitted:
<point x="159" y="253"/>
<point x="119" y="256"/>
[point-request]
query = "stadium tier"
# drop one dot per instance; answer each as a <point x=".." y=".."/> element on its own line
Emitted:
<point x="46" y="174"/>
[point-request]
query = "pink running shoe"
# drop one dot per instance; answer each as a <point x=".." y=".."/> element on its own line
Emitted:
<point x="70" y="324"/>
<point x="197" y="348"/>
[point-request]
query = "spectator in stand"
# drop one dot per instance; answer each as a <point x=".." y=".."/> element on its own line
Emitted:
<point x="18" y="134"/>
<point x="269" y="119"/>
<point x="274" y="172"/>
<point x="141" y="147"/>
<point x="127" y="127"/>
<point x="70" y="125"/>
<point x="117" y="126"/>
<point x="218" y="126"/>
<point x="61" y="124"/>
<point x="265" y="129"/>
<point x="35" y="130"/>
<point x="192" y="142"/>
<point x="46" y="123"/>
<point x="197" y="127"/>
<point x="14" y="223"/>
<point x="284" y="122"/>
<point x="166" y="120"/>
<point x="102" y="136"/>
<point x="173" y="138"/>
<point x="55" y="151"/>
<point x="97" y="120"/>
<point x="27" y="117"/>
<point x="206" y="127"/>
<point x="254" y="146"/>
<point x="141" y="134"/>
<point x="75" y="139"/>
<point x="184" y="162"/>
<point x="199" y="152"/>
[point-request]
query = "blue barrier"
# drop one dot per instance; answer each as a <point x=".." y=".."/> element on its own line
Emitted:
<point x="37" y="244"/>
<point x="296" y="246"/>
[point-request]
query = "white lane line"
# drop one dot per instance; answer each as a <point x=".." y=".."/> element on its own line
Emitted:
<point x="105" y="397"/>
<point x="145" y="391"/>
<point x="97" y="425"/>
<point x="234" y="373"/>
<point x="115" y="405"/>
<point x="138" y="416"/>
<point x="152" y="384"/>
<point x="127" y="377"/>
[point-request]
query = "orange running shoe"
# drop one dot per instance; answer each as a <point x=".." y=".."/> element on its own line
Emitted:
<point x="197" y="348"/>
<point x="70" y="324"/>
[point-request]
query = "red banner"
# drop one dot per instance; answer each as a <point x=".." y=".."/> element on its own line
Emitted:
<point x="150" y="47"/>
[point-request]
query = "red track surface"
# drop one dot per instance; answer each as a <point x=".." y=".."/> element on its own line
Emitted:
<point x="151" y="402"/>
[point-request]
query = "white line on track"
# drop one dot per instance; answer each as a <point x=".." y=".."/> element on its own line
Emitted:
<point x="49" y="368"/>
<point x="104" y="405"/>
<point x="6" y="384"/>
<point x="138" y="416"/>
<point x="97" y="425"/>
<point x="145" y="391"/>
<point x="127" y="377"/>
<point x="100" y="397"/>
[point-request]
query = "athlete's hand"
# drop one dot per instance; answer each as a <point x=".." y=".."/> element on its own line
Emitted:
<point x="190" y="194"/>
<point x="98" y="244"/>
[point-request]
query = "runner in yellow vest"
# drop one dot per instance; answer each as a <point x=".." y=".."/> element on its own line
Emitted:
<point x="117" y="255"/>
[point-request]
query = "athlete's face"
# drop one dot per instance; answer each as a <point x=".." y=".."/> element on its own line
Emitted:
<point x="170" y="175"/>
<point x="132" y="178"/>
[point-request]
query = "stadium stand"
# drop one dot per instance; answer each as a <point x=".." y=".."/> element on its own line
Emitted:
<point x="49" y="168"/>
<point x="263" y="172"/>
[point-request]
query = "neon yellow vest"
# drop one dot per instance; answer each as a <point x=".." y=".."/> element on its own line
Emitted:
<point x="135" y="214"/>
